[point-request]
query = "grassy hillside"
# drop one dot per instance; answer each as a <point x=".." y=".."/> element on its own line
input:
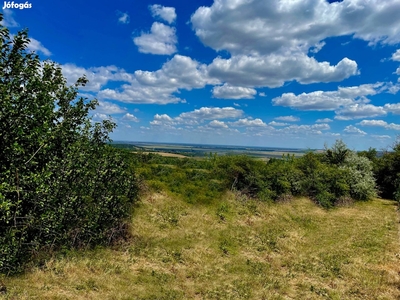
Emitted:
<point x="234" y="248"/>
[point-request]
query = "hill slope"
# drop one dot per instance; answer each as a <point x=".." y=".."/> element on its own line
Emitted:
<point x="233" y="249"/>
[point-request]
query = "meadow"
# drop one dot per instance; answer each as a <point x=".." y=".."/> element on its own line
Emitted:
<point x="233" y="248"/>
<point x="195" y="235"/>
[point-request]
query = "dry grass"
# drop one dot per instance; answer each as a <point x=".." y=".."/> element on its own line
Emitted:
<point x="233" y="249"/>
<point x="165" y="154"/>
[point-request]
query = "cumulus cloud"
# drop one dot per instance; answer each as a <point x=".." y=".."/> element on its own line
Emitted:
<point x="304" y="129"/>
<point x="392" y="108"/>
<point x="325" y="120"/>
<point x="273" y="123"/>
<point x="288" y="118"/>
<point x="249" y="123"/>
<point x="354" y="130"/>
<point x="217" y="124"/>
<point x="269" y="41"/>
<point x="180" y="72"/>
<point x="273" y="70"/>
<point x="209" y="113"/>
<point x="264" y="27"/>
<point x="97" y="76"/>
<point x="123" y="17"/>
<point x="379" y="123"/>
<point x="161" y="40"/>
<point x="165" y="13"/>
<point x="198" y="116"/>
<point x="158" y="87"/>
<point x="227" y="91"/>
<point x="109" y="108"/>
<point x="396" y="55"/>
<point x="100" y="117"/>
<point x="130" y="117"/>
<point x="317" y="47"/>
<point x="359" y="111"/>
<point x="329" y="100"/>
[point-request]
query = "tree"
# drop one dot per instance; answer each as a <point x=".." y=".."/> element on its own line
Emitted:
<point x="61" y="184"/>
<point x="337" y="154"/>
<point x="387" y="172"/>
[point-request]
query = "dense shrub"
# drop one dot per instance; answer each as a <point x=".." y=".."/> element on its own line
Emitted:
<point x="61" y="185"/>
<point x="361" y="179"/>
<point x="387" y="173"/>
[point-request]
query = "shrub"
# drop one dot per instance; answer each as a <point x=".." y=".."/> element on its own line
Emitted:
<point x="60" y="183"/>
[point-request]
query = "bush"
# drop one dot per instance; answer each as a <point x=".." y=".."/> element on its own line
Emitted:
<point x="61" y="185"/>
<point x="361" y="179"/>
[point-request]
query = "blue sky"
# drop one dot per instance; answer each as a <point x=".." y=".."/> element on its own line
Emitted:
<point x="234" y="72"/>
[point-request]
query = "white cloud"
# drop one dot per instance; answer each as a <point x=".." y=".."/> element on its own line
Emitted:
<point x="35" y="45"/>
<point x="269" y="40"/>
<point x="100" y="117"/>
<point x="396" y="55"/>
<point x="161" y="40"/>
<point x="304" y="129"/>
<point x="97" y="76"/>
<point x="180" y="72"/>
<point x="109" y="108"/>
<point x="379" y="123"/>
<point x="8" y="19"/>
<point x="317" y="47"/>
<point x="288" y="118"/>
<point x="354" y="130"/>
<point x="262" y="94"/>
<point x="273" y="70"/>
<point x="227" y="91"/>
<point x="358" y="111"/>
<point x="264" y="27"/>
<point x="209" y="113"/>
<point x="325" y="120"/>
<point x="198" y="116"/>
<point x="381" y="137"/>
<point x="236" y="104"/>
<point x="249" y="123"/>
<point x="130" y="117"/>
<point x="152" y="87"/>
<point x="330" y="100"/>
<point x="273" y="123"/>
<point x="217" y="124"/>
<point x="123" y="17"/>
<point x="166" y="13"/>
<point x="393" y="108"/>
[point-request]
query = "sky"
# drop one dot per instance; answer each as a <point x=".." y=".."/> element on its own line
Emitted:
<point x="288" y="73"/>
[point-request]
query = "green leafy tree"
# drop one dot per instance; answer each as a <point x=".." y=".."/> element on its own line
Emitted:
<point x="387" y="172"/>
<point x="337" y="154"/>
<point x="61" y="184"/>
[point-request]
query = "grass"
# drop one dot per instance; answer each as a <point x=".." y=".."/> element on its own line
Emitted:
<point x="234" y="248"/>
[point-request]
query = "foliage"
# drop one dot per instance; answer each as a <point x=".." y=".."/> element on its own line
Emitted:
<point x="328" y="178"/>
<point x="387" y="173"/>
<point x="361" y="179"/>
<point x="337" y="154"/>
<point x="60" y="183"/>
